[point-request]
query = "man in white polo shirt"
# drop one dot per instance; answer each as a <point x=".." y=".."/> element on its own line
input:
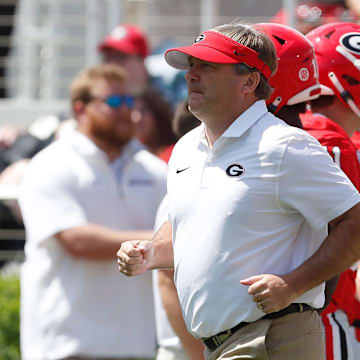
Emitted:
<point x="250" y="200"/>
<point x="82" y="197"/>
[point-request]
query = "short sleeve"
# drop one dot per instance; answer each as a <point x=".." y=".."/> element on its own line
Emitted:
<point x="311" y="184"/>
<point x="49" y="201"/>
<point x="162" y="214"/>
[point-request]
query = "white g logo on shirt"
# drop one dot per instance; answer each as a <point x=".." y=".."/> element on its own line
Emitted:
<point x="235" y="170"/>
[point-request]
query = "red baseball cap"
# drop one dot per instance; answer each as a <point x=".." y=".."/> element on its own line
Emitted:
<point x="128" y="39"/>
<point x="217" y="48"/>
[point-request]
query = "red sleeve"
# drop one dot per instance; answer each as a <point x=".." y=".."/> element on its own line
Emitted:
<point x="343" y="152"/>
<point x="356" y="139"/>
<point x="346" y="158"/>
<point x="344" y="297"/>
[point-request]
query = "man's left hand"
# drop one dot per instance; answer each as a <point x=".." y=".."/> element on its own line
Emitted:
<point x="271" y="292"/>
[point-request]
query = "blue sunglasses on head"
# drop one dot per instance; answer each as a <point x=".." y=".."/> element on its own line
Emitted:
<point x="115" y="101"/>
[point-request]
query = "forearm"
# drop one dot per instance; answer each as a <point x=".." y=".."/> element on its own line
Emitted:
<point x="97" y="242"/>
<point x="193" y="347"/>
<point x="163" y="250"/>
<point x="338" y="252"/>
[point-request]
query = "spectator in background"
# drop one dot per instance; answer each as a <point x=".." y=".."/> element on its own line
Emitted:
<point x="128" y="47"/>
<point x="337" y="112"/>
<point x="175" y="342"/>
<point x="311" y="14"/>
<point x="81" y="198"/>
<point x="152" y="117"/>
<point x="171" y="82"/>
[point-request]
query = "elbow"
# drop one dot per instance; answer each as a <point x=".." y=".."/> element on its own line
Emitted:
<point x="73" y="247"/>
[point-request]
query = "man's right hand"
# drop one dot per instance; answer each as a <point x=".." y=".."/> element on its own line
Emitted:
<point x="134" y="257"/>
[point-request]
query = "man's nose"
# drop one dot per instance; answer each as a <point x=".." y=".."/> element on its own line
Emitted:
<point x="192" y="74"/>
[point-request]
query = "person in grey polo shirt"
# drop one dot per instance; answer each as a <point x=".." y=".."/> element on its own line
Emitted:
<point x="82" y="196"/>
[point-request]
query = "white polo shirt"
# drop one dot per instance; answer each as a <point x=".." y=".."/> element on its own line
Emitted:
<point x="258" y="202"/>
<point x="72" y="306"/>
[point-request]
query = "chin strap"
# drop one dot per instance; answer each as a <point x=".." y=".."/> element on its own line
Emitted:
<point x="346" y="96"/>
<point x="274" y="105"/>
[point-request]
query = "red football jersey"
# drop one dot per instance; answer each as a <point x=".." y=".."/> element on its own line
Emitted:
<point x="336" y="141"/>
<point x="356" y="139"/>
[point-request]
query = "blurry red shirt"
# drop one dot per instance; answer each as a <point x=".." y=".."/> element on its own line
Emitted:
<point x="343" y="151"/>
<point x="356" y="139"/>
<point x="166" y="153"/>
<point x="336" y="141"/>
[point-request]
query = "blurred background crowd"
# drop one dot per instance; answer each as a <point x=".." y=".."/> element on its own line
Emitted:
<point x="45" y="43"/>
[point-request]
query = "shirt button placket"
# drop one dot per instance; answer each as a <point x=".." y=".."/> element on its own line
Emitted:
<point x="205" y="165"/>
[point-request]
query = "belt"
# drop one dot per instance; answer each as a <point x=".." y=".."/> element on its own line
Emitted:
<point x="215" y="341"/>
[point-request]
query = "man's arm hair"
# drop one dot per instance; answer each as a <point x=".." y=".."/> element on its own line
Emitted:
<point x="339" y="251"/>
<point x="163" y="250"/>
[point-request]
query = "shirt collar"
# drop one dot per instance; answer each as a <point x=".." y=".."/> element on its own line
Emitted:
<point x="240" y="125"/>
<point x="248" y="118"/>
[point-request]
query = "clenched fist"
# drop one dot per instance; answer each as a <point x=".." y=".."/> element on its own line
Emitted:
<point x="134" y="257"/>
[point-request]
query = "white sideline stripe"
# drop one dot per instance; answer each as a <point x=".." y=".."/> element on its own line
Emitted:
<point x="336" y="337"/>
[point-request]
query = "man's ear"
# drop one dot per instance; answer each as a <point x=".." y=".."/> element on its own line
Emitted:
<point x="78" y="108"/>
<point x="251" y="82"/>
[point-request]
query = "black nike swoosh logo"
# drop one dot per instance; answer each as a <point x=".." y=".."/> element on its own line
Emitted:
<point x="181" y="170"/>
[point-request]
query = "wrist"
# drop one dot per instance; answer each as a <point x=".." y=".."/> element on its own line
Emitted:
<point x="294" y="285"/>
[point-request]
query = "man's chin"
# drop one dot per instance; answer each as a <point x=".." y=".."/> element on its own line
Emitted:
<point x="115" y="140"/>
<point x="194" y="108"/>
